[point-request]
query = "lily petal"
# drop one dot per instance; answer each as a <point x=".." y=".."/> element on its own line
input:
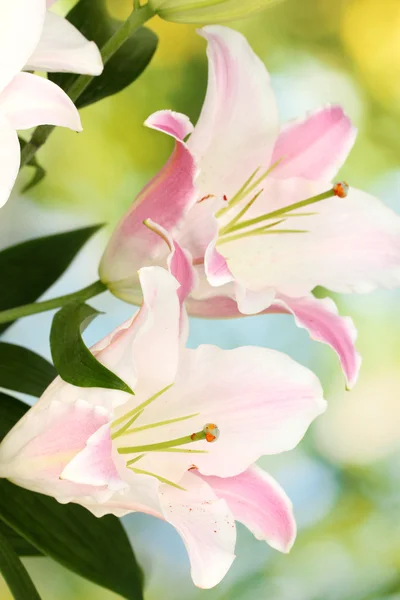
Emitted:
<point x="216" y="268"/>
<point x="34" y="453"/>
<point x="165" y="200"/>
<point x="9" y="159"/>
<point x="21" y="23"/>
<point x="314" y="148"/>
<point x="145" y="350"/>
<point x="62" y="48"/>
<point x="238" y="125"/>
<point x="29" y="100"/>
<point x="345" y="245"/>
<point x="95" y="465"/>
<point x="179" y="262"/>
<point x="206" y="525"/>
<point x="321" y="319"/>
<point x="259" y="502"/>
<point x="261" y="400"/>
<point x="318" y="316"/>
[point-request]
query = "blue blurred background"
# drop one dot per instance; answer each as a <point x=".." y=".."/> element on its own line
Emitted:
<point x="343" y="478"/>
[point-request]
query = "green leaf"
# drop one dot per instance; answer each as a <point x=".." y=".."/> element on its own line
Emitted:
<point x="92" y="19"/>
<point x="27" y="270"/>
<point x="24" y="371"/>
<point x="39" y="173"/>
<point x="72" y="359"/>
<point x="14" y="573"/>
<point x="20" y="545"/>
<point x="97" y="549"/>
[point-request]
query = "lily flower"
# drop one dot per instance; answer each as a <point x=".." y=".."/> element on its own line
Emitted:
<point x="255" y="207"/>
<point x="33" y="38"/>
<point x="183" y="447"/>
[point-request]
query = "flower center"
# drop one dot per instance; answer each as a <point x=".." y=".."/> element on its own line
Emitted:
<point x="123" y="426"/>
<point x="239" y="227"/>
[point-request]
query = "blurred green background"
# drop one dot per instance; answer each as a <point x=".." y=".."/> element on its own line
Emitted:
<point x="343" y="478"/>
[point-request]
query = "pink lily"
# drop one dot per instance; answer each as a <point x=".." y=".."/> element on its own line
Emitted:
<point x="228" y="197"/>
<point x="36" y="39"/>
<point x="183" y="447"/>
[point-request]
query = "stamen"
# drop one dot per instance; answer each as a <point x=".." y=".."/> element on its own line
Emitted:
<point x="210" y="433"/>
<point x="282" y="212"/>
<point x="238" y="196"/>
<point x="341" y="189"/>
<point x="133" y="414"/>
<point x="245" y="189"/>
<point x="240" y="214"/>
<point x="161" y="479"/>
<point x="260" y="231"/>
<point x="157" y="424"/>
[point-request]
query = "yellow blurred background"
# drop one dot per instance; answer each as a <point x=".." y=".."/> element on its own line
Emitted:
<point x="344" y="478"/>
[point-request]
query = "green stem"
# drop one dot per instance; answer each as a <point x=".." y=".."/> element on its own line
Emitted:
<point x="37" y="307"/>
<point x="137" y="18"/>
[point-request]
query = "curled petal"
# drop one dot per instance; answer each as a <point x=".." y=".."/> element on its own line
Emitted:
<point x="34" y="453"/>
<point x="259" y="502"/>
<point x="179" y="262"/>
<point x="62" y="48"/>
<point x="21" y="24"/>
<point x="319" y="317"/>
<point x="314" y="148"/>
<point x="9" y="159"/>
<point x="146" y="348"/>
<point x="165" y="200"/>
<point x="29" y="100"/>
<point x="95" y="465"/>
<point x="322" y="321"/>
<point x="238" y="124"/>
<point x="216" y="268"/>
<point x="175" y="124"/>
<point x="206" y="525"/>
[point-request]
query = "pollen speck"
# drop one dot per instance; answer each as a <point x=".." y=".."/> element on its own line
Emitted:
<point x="205" y="198"/>
<point x="341" y="189"/>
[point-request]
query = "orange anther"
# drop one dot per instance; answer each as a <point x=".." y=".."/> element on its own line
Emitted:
<point x="341" y="189"/>
<point x="212" y="432"/>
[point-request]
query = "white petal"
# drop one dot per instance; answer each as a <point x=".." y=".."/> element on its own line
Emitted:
<point x="238" y="124"/>
<point x="21" y="23"/>
<point x="9" y="159"/>
<point x="62" y="48"/>
<point x="261" y="400"/>
<point x="29" y="100"/>
<point x="206" y="525"/>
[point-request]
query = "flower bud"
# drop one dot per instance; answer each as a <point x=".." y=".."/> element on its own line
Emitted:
<point x="207" y="11"/>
